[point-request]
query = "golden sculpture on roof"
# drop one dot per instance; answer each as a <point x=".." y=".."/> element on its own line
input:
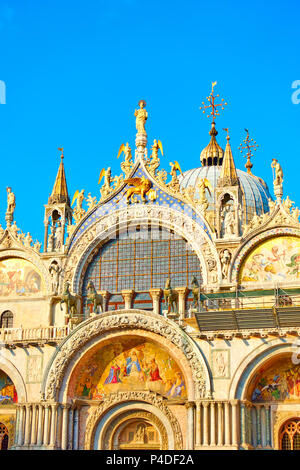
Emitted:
<point x="141" y="117"/>
<point x="140" y="186"/>
<point x="154" y="162"/>
<point x="128" y="163"/>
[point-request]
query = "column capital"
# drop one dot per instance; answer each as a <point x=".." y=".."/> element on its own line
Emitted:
<point x="206" y="404"/>
<point x="104" y="293"/>
<point x="190" y="404"/>
<point x="66" y="406"/>
<point x="155" y="293"/>
<point x="234" y="402"/>
<point x="182" y="290"/>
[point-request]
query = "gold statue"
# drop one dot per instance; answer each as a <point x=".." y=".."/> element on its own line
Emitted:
<point x="106" y="189"/>
<point x="174" y="183"/>
<point x="127" y="164"/>
<point x="154" y="161"/>
<point x="203" y="184"/>
<point x="11" y="202"/>
<point x="78" y="212"/>
<point x="141" y="117"/>
<point x="141" y="186"/>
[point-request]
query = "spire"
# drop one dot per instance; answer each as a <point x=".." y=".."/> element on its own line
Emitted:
<point x="60" y="190"/>
<point x="228" y="176"/>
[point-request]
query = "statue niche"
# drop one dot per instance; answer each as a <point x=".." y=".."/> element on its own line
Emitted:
<point x="229" y="217"/>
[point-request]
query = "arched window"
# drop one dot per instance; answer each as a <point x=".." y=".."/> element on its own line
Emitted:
<point x="7" y="319"/>
<point x="289" y="436"/>
<point x="141" y="260"/>
<point x="3" y="437"/>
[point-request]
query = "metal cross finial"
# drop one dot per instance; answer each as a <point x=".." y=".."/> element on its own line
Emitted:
<point x="215" y="107"/>
<point x="61" y="149"/>
<point x="250" y="145"/>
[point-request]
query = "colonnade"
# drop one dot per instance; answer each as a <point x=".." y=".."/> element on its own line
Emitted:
<point x="47" y="425"/>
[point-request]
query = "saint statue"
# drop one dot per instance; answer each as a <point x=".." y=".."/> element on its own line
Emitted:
<point x="229" y="221"/>
<point x="55" y="271"/>
<point x="225" y="262"/>
<point x="11" y="202"/>
<point x="278" y="180"/>
<point x="141" y="117"/>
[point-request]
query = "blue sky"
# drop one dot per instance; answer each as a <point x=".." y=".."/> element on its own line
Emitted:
<point x="74" y="72"/>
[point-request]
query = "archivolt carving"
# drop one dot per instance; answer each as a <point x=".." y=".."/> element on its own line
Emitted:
<point x="107" y="226"/>
<point x="136" y="319"/>
<point x="116" y="398"/>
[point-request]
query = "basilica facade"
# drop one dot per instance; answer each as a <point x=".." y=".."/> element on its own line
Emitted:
<point x="164" y="315"/>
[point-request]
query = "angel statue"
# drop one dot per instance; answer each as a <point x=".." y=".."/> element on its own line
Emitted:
<point x="203" y="184"/>
<point x="78" y="212"/>
<point x="127" y="164"/>
<point x="106" y="189"/>
<point x="174" y="183"/>
<point x="91" y="201"/>
<point x="141" y="117"/>
<point x="154" y="161"/>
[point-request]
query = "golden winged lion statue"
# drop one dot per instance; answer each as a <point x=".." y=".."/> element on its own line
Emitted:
<point x="140" y="186"/>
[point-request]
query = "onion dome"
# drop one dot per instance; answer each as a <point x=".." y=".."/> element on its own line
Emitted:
<point x="213" y="153"/>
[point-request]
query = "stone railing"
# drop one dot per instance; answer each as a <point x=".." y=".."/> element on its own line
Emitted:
<point x="38" y="335"/>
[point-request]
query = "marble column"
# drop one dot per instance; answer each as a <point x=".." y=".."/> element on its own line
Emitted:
<point x="53" y="424"/>
<point x="198" y="424"/>
<point x="128" y="297"/>
<point x="258" y="425"/>
<point x="27" y="424"/>
<point x="65" y="426"/>
<point x="243" y="425"/>
<point x="205" y="423"/>
<point x="212" y="424"/>
<point x="71" y="428"/>
<point x="33" y="424"/>
<point x="21" y="425"/>
<point x="227" y="423"/>
<point x="46" y="424"/>
<point x="76" y="430"/>
<point x="220" y="423"/>
<point x="155" y="296"/>
<point x="182" y="293"/>
<point x="268" y="426"/>
<point x="46" y="223"/>
<point x="190" y="425"/>
<point x="234" y="407"/>
<point x="40" y="426"/>
<point x="106" y="296"/>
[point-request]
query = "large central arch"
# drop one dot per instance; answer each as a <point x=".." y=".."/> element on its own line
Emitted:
<point x="94" y="330"/>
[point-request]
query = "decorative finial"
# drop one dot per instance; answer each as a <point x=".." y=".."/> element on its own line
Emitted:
<point x="212" y="104"/>
<point x="61" y="149"/>
<point x="226" y="130"/>
<point x="249" y="144"/>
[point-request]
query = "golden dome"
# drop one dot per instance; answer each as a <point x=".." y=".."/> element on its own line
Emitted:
<point x="213" y="153"/>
